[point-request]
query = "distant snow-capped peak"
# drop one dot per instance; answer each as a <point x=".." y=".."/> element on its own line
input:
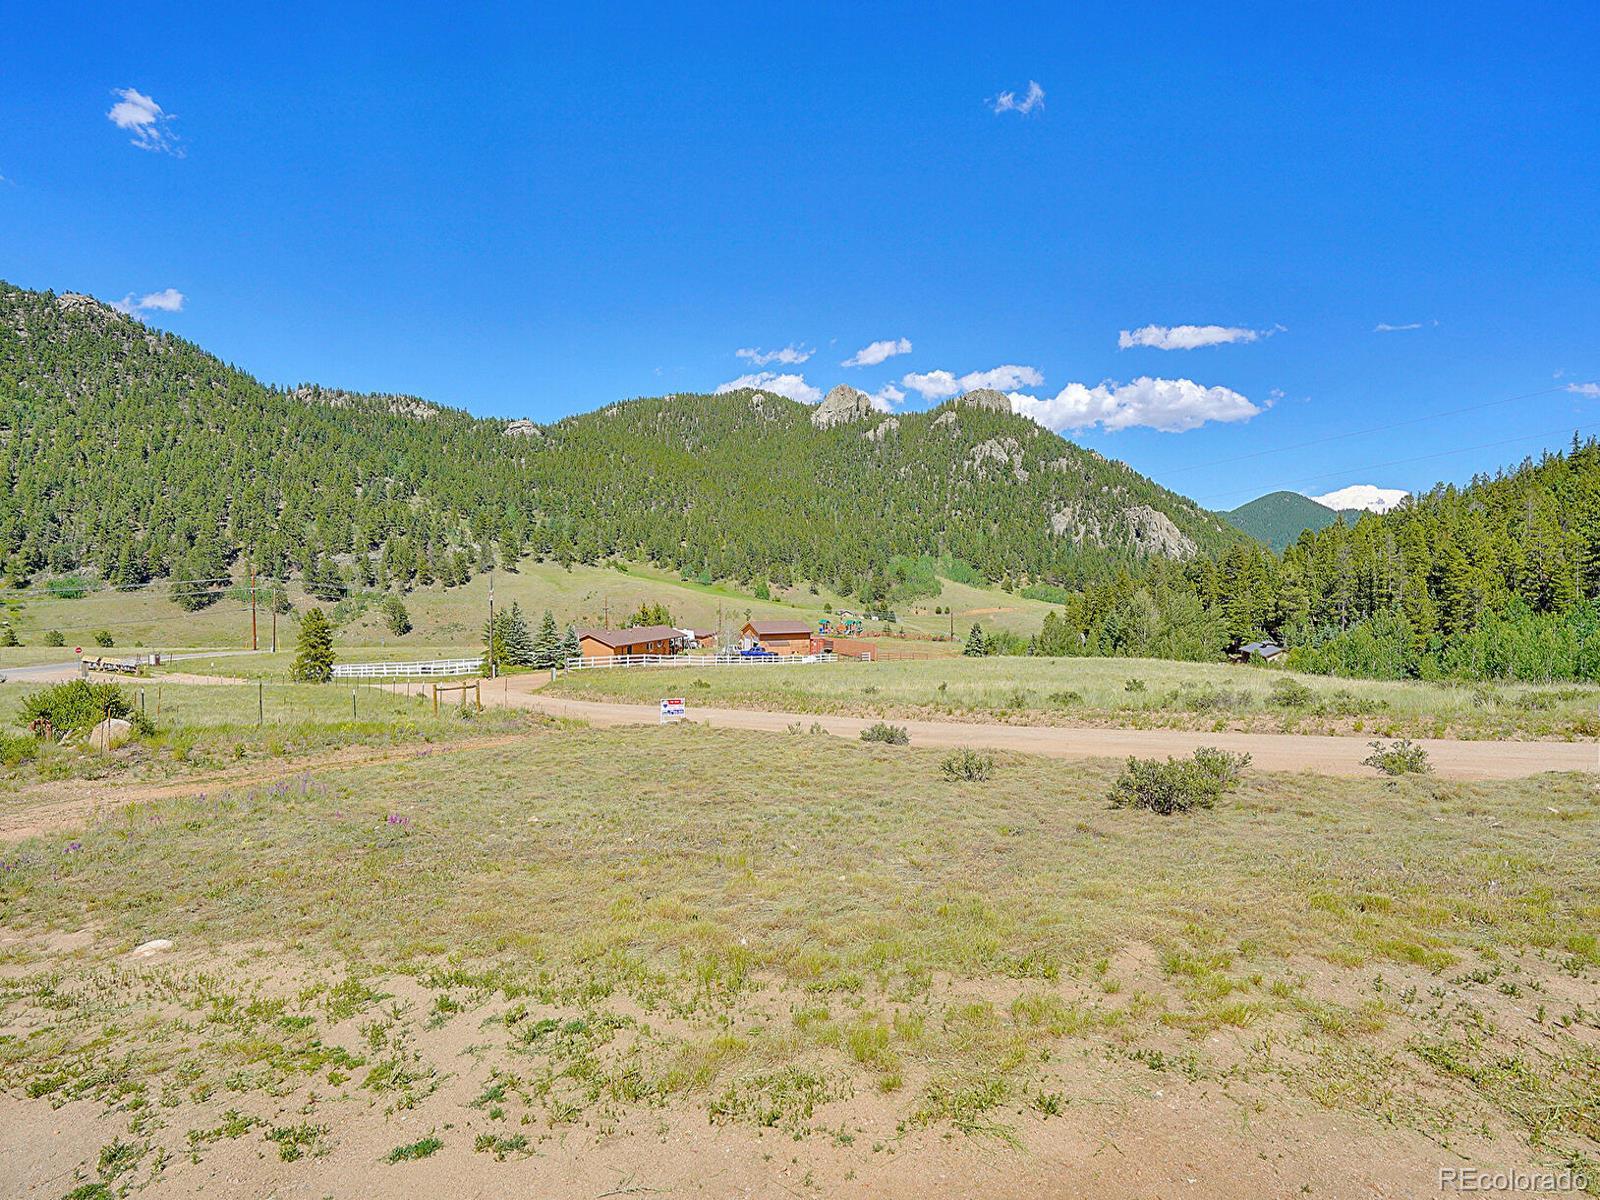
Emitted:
<point x="1363" y="495"/>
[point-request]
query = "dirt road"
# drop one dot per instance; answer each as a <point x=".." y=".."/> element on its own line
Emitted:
<point x="1269" y="751"/>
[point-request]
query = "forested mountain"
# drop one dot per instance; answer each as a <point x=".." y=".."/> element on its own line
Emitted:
<point x="1499" y="579"/>
<point x="1279" y="518"/>
<point x="133" y="453"/>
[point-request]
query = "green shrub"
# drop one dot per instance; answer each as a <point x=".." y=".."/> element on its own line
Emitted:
<point x="1133" y="685"/>
<point x="1178" y="784"/>
<point x="15" y="750"/>
<point x="882" y="731"/>
<point x="1066" y="699"/>
<point x="102" y="637"/>
<point x="1403" y="757"/>
<point x="8" y="635"/>
<point x="54" y="638"/>
<point x="1290" y="693"/>
<point x="415" y="1150"/>
<point x="967" y="766"/>
<point x="78" y="705"/>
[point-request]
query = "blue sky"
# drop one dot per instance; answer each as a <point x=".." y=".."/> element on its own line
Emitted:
<point x="535" y="213"/>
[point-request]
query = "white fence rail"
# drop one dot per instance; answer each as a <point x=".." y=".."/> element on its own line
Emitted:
<point x="604" y="662"/>
<point x="406" y="670"/>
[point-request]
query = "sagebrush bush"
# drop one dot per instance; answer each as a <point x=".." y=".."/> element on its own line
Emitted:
<point x="1403" y="757"/>
<point x="1290" y="693"/>
<point x="55" y="638"/>
<point x="882" y="731"/>
<point x="967" y="765"/>
<point x="1133" y="685"/>
<point x="1178" y="784"/>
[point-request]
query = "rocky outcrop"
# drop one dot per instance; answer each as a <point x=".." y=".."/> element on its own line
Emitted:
<point x="842" y="406"/>
<point x="522" y="427"/>
<point x="1006" y="451"/>
<point x="986" y="398"/>
<point x="1154" y="533"/>
<point x="947" y="418"/>
<point x="883" y="429"/>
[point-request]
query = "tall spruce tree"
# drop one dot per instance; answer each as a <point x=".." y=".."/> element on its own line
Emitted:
<point x="547" y="646"/>
<point x="313" y="659"/>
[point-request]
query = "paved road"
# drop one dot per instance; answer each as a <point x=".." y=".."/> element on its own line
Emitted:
<point x="1268" y="751"/>
<point x="55" y="672"/>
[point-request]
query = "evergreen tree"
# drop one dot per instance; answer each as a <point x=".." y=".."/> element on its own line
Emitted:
<point x="547" y="646"/>
<point x="571" y="647"/>
<point x="396" y="616"/>
<point x="977" y="644"/>
<point x="518" y="642"/>
<point x="313" y="659"/>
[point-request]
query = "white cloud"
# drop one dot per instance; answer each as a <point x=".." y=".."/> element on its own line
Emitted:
<point x="789" y="356"/>
<point x="1008" y="102"/>
<point x="1170" y="405"/>
<point x="886" y="397"/>
<point x="166" y="300"/>
<point x="940" y="385"/>
<point x="793" y="386"/>
<point x="1385" y="327"/>
<point x="1188" y="337"/>
<point x="877" y="352"/>
<point x="1364" y="496"/>
<point x="932" y="385"/>
<point x="1592" y="390"/>
<point x="149" y="123"/>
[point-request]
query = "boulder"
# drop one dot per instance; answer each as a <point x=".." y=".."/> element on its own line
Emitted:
<point x="151" y="948"/>
<point x="110" y="734"/>
<point x="841" y="406"/>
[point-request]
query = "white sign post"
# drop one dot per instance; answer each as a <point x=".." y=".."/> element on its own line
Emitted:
<point x="675" y="709"/>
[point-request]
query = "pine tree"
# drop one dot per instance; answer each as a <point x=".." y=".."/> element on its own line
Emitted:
<point x="547" y="646"/>
<point x="496" y="643"/>
<point x="519" y="642"/>
<point x="313" y="659"/>
<point x="571" y="647"/>
<point x="977" y="644"/>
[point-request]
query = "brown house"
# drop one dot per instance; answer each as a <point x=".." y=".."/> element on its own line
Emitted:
<point x="780" y="637"/>
<point x="644" y="639"/>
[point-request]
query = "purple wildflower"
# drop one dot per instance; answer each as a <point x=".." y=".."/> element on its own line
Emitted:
<point x="74" y="847"/>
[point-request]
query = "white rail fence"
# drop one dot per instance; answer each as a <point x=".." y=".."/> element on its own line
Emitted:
<point x="605" y="662"/>
<point x="407" y="670"/>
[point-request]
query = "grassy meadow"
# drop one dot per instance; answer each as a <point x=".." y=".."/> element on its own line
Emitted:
<point x="206" y="726"/>
<point x="1120" y="691"/>
<point x="600" y="941"/>
<point x="450" y="620"/>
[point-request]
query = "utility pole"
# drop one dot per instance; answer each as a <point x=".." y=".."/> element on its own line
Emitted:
<point x="253" y="644"/>
<point x="605" y="612"/>
<point x="491" y="625"/>
<point x="274" y="628"/>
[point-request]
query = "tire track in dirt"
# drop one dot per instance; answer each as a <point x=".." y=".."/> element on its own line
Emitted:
<point x="53" y="808"/>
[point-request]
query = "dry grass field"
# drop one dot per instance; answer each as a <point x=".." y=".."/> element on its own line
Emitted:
<point x="682" y="961"/>
<point x="1123" y="692"/>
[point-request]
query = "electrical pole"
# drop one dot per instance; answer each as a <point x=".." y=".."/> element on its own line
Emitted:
<point x="491" y="626"/>
<point x="274" y="628"/>
<point x="253" y="644"/>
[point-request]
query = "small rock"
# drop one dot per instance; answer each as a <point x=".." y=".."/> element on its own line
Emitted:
<point x="151" y="949"/>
